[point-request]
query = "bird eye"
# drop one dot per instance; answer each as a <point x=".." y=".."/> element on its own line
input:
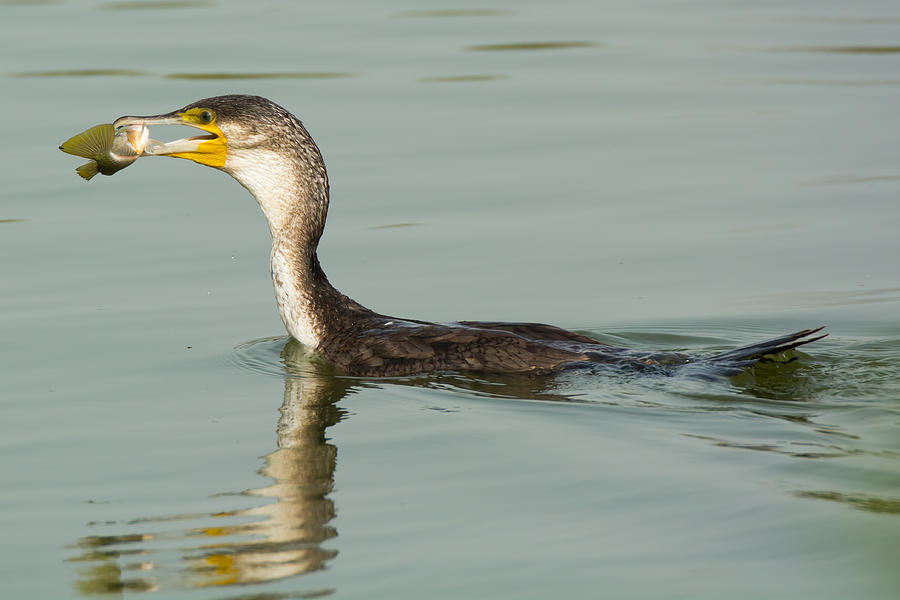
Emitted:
<point x="206" y="117"/>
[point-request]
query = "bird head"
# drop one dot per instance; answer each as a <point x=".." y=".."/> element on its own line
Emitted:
<point x="259" y="143"/>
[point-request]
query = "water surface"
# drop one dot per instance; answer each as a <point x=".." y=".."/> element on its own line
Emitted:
<point x="686" y="176"/>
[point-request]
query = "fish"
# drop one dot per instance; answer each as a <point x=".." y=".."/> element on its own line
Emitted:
<point x="110" y="149"/>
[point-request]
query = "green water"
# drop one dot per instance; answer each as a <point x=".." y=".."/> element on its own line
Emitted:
<point x="666" y="175"/>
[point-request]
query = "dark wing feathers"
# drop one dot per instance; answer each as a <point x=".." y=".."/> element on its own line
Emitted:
<point x="534" y="331"/>
<point x="390" y="347"/>
<point x="405" y="350"/>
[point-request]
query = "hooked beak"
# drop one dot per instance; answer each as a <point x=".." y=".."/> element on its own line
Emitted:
<point x="209" y="149"/>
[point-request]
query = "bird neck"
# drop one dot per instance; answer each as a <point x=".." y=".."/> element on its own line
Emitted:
<point x="301" y="289"/>
<point x="292" y="191"/>
<point x="311" y="308"/>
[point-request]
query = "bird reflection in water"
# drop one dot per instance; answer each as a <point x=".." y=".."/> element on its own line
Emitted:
<point x="284" y="538"/>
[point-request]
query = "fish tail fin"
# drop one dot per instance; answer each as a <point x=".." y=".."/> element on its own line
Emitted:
<point x="90" y="142"/>
<point x="88" y="169"/>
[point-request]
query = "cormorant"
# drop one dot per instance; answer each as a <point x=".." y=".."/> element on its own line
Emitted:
<point x="268" y="151"/>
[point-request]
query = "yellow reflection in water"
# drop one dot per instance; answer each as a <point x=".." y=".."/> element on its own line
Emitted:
<point x="283" y="538"/>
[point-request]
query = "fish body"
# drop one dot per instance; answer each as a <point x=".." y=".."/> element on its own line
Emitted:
<point x="110" y="149"/>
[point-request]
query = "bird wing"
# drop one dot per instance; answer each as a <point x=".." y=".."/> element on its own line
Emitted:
<point x="414" y="348"/>
<point x="534" y="331"/>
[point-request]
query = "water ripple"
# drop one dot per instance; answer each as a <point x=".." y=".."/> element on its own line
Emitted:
<point x="290" y="75"/>
<point x="458" y="78"/>
<point x="532" y="46"/>
<point x="864" y="502"/>
<point x="82" y="73"/>
<point x="456" y="12"/>
<point x="156" y="5"/>
<point x="840" y="49"/>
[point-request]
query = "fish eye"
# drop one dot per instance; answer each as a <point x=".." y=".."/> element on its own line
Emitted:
<point x="206" y="117"/>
